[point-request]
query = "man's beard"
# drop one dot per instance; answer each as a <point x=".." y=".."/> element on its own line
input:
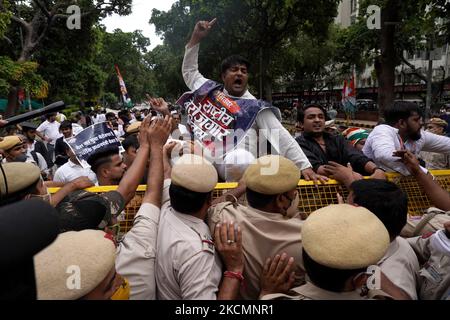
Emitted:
<point x="415" y="136"/>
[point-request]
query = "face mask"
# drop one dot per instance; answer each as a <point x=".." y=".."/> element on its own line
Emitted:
<point x="292" y="211"/>
<point x="123" y="292"/>
<point x="21" y="158"/>
<point x="46" y="197"/>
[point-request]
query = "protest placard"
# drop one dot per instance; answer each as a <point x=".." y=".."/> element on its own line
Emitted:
<point x="92" y="140"/>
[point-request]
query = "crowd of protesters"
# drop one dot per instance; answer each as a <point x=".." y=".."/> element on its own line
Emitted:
<point x="252" y="242"/>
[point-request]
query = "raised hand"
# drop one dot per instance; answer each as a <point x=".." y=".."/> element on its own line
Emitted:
<point x="201" y="30"/>
<point x="409" y="160"/>
<point x="143" y="137"/>
<point x="158" y="104"/>
<point x="159" y="131"/>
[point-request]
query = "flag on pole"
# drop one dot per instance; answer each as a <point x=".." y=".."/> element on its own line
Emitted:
<point x="349" y="96"/>
<point x="123" y="88"/>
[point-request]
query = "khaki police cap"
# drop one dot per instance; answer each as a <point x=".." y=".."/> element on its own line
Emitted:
<point x="438" y="121"/>
<point x="89" y="254"/>
<point x="272" y="175"/>
<point x="19" y="176"/>
<point x="10" y="142"/>
<point x="344" y="237"/>
<point x="194" y="173"/>
<point x="134" y="127"/>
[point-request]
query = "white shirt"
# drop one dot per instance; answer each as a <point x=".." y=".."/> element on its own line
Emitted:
<point x="50" y="130"/>
<point x="76" y="128"/>
<point x="119" y="132"/>
<point x="183" y="129"/>
<point x="266" y="122"/>
<point x="42" y="164"/>
<point x="71" y="171"/>
<point x="136" y="253"/>
<point x="187" y="266"/>
<point x="384" y="140"/>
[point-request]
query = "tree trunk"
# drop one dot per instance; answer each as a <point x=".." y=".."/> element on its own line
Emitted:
<point x="385" y="64"/>
<point x="267" y="79"/>
<point x="13" y="102"/>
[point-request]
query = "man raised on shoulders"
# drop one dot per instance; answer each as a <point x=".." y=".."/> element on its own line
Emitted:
<point x="262" y="119"/>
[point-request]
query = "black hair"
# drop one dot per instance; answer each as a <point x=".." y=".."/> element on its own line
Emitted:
<point x="258" y="200"/>
<point x="130" y="141"/>
<point x="187" y="201"/>
<point x="400" y="110"/>
<point x="232" y="61"/>
<point x="327" y="278"/>
<point x="384" y="199"/>
<point x="110" y="115"/>
<point x="301" y="114"/>
<point x="66" y="124"/>
<point x="49" y="115"/>
<point x="26" y="129"/>
<point x="101" y="158"/>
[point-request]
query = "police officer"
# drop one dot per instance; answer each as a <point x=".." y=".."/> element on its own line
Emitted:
<point x="271" y="220"/>
<point x="434" y="249"/>
<point x="188" y="266"/>
<point x="433" y="160"/>
<point x="340" y="242"/>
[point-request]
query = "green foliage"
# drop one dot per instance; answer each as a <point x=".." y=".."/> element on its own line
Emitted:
<point x="23" y="74"/>
<point x="126" y="50"/>
<point x="248" y="27"/>
<point x="417" y="21"/>
<point x="5" y="17"/>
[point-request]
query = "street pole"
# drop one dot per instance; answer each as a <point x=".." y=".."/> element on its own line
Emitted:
<point x="429" y="80"/>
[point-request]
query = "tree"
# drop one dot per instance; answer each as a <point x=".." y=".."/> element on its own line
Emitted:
<point x="253" y="28"/>
<point x="126" y="50"/>
<point x="405" y="26"/>
<point x="307" y="63"/>
<point x="37" y="17"/>
<point x="67" y="60"/>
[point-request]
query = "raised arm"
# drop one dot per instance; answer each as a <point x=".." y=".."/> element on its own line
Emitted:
<point x="439" y="197"/>
<point x="192" y="77"/>
<point x="383" y="146"/>
<point x="436" y="143"/>
<point x="157" y="134"/>
<point x="130" y="181"/>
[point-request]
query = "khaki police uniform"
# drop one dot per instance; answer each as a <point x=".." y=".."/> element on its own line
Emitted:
<point x="136" y="252"/>
<point x="401" y="266"/>
<point x="309" y="291"/>
<point x="435" y="161"/>
<point x="265" y="234"/>
<point x="341" y="237"/>
<point x="434" y="277"/>
<point x="187" y="266"/>
<point x="432" y="221"/>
